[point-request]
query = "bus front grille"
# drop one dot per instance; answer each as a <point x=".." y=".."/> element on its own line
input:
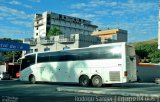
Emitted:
<point x="114" y="75"/>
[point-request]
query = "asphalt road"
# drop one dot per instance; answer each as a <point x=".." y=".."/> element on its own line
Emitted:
<point x="17" y="91"/>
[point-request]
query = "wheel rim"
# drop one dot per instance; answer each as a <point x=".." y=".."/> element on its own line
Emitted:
<point x="96" y="81"/>
<point x="32" y="79"/>
<point x="84" y="82"/>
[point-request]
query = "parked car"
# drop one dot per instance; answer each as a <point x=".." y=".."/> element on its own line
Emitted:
<point x="4" y="76"/>
<point x="157" y="80"/>
<point x="1" y="75"/>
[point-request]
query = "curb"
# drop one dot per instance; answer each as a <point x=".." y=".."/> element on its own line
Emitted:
<point x="106" y="92"/>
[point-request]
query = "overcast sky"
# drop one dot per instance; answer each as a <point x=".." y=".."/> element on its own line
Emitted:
<point x="138" y="17"/>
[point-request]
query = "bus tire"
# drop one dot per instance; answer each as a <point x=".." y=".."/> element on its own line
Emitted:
<point x="84" y="80"/>
<point x="32" y="79"/>
<point x="96" y="81"/>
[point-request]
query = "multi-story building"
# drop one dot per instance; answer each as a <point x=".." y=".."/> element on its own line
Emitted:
<point x="113" y="35"/>
<point x="76" y="33"/>
<point x="67" y="24"/>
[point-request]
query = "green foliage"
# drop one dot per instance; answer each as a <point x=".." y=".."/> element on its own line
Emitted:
<point x="148" y="50"/>
<point x="9" y="55"/>
<point x="53" y="31"/>
<point x="154" y="57"/>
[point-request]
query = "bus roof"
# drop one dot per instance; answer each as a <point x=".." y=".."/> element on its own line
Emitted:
<point x="108" y="44"/>
<point x="91" y="46"/>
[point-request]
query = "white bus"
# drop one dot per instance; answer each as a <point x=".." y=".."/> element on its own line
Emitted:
<point x="99" y="64"/>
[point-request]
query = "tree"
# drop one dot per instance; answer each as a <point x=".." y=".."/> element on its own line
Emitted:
<point x="148" y="50"/>
<point x="142" y="50"/>
<point x="155" y="57"/>
<point x="53" y="31"/>
<point x="10" y="54"/>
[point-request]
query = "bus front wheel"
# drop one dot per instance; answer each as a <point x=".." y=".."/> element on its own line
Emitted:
<point x="84" y="80"/>
<point x="32" y="79"/>
<point x="96" y="81"/>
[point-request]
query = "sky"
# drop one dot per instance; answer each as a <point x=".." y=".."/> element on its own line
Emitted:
<point x="138" y="17"/>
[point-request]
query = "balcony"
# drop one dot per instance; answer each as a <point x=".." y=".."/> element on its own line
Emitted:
<point x="66" y="39"/>
<point x="38" y="18"/>
<point x="38" y="24"/>
<point x="47" y="41"/>
<point x="31" y="42"/>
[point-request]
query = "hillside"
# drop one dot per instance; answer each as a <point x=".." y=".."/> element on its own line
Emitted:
<point x="146" y="42"/>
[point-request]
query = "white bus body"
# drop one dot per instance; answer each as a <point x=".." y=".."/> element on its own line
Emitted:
<point x="101" y="64"/>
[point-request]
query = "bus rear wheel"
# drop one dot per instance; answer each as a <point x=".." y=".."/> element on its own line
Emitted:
<point x="84" y="80"/>
<point x="32" y="79"/>
<point x="96" y="81"/>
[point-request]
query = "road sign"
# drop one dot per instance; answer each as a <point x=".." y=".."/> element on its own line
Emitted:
<point x="13" y="46"/>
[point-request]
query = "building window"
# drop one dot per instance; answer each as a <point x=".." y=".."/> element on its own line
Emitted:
<point x="36" y="34"/>
<point x="48" y="28"/>
<point x="46" y="49"/>
<point x="48" y="17"/>
<point x="37" y="28"/>
<point x="48" y="23"/>
<point x="114" y="37"/>
<point x="36" y="50"/>
<point x="60" y="16"/>
<point x="27" y="52"/>
<point x="66" y="47"/>
<point x="31" y="51"/>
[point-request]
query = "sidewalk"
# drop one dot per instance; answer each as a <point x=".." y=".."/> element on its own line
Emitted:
<point x="138" y="89"/>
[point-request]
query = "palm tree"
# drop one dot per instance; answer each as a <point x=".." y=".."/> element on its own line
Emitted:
<point x="53" y="31"/>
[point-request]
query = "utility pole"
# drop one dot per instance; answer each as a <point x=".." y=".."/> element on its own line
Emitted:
<point x="158" y="24"/>
<point x="13" y="57"/>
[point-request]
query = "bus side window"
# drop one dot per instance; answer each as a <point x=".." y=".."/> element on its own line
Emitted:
<point x="70" y="57"/>
<point x="56" y="56"/>
<point x="42" y="57"/>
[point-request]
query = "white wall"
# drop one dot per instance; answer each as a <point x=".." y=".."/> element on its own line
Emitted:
<point x="148" y="73"/>
<point x="2" y="68"/>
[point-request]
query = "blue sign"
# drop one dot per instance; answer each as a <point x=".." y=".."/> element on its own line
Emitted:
<point x="13" y="46"/>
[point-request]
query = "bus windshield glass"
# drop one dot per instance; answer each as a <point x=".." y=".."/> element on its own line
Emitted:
<point x="28" y="61"/>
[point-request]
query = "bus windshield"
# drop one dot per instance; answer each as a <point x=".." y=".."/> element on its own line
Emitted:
<point x="27" y="61"/>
